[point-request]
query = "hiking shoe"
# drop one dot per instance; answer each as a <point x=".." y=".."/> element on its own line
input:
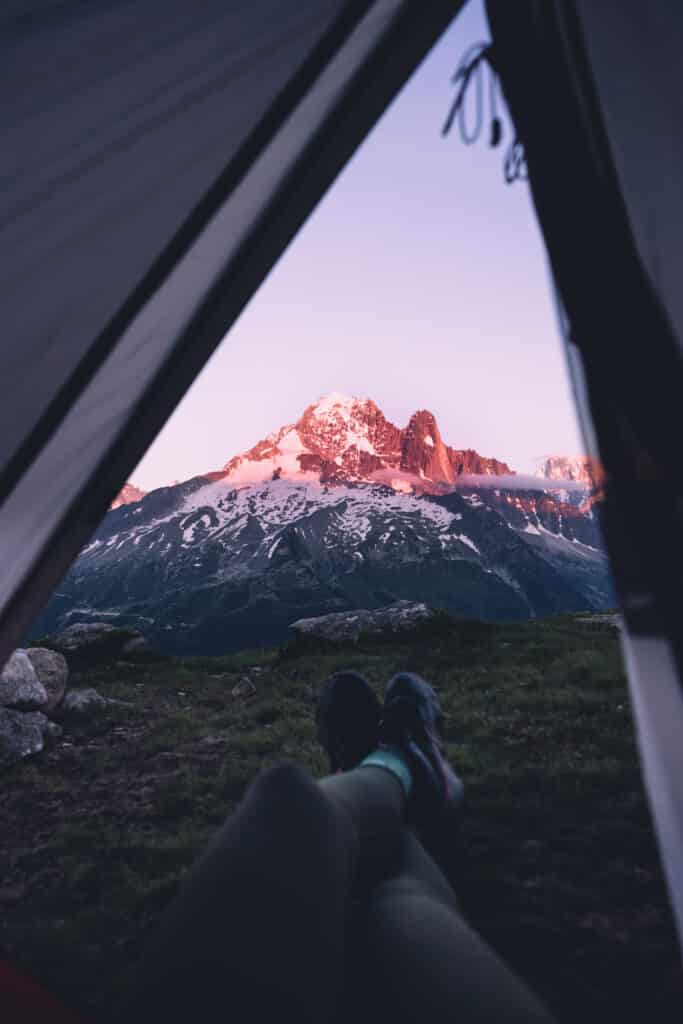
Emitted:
<point x="347" y="718"/>
<point x="411" y="722"/>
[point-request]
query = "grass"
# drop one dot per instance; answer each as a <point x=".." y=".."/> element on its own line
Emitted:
<point x="557" y="866"/>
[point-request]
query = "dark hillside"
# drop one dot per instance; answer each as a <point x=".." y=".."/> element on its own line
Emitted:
<point x="557" y="868"/>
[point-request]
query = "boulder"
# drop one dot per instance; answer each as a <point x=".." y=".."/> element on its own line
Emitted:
<point x="82" y="703"/>
<point x="20" y="687"/>
<point x="52" y="671"/>
<point x="605" y="620"/>
<point x="135" y="646"/>
<point x="22" y="733"/>
<point x="244" y="688"/>
<point x="89" y="643"/>
<point x="346" y="627"/>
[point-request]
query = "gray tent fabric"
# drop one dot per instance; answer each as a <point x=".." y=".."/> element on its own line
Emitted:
<point x="635" y="51"/>
<point x="118" y="118"/>
<point x="595" y="91"/>
<point x="161" y="156"/>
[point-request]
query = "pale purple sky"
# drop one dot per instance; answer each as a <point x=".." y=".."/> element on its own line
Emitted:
<point x="420" y="281"/>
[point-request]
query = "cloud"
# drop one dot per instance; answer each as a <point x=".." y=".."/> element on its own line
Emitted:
<point x="477" y="481"/>
<point x="518" y="482"/>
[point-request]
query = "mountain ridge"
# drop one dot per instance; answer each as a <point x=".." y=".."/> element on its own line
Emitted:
<point x="341" y="438"/>
<point x="339" y="510"/>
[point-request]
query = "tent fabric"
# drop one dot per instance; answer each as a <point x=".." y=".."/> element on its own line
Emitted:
<point x="118" y="118"/>
<point x="162" y="156"/>
<point x="634" y="50"/>
<point x="595" y="91"/>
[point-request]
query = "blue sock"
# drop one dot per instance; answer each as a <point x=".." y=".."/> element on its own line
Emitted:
<point x="393" y="760"/>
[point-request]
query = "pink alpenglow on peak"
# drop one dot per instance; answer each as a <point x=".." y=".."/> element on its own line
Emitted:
<point x="341" y="439"/>
<point x="127" y="495"/>
<point x="584" y="469"/>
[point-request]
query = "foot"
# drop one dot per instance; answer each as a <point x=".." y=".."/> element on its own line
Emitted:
<point x="411" y="722"/>
<point x="347" y="718"/>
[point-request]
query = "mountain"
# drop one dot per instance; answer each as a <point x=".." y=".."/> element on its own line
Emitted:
<point x="341" y="509"/>
<point x="340" y="439"/>
<point x="582" y="469"/>
<point x="582" y="475"/>
<point x="126" y="495"/>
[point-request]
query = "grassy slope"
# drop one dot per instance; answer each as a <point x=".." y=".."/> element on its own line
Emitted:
<point x="557" y="867"/>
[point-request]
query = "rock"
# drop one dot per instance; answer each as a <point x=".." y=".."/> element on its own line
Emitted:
<point x="87" y="643"/>
<point x="245" y="688"/>
<point x="79" y="703"/>
<point x="52" y="671"/>
<point x="84" y="634"/>
<point x="20" y="687"/>
<point x="606" y="619"/>
<point x="346" y="627"/>
<point x="22" y="733"/>
<point x="135" y="646"/>
<point x="212" y="741"/>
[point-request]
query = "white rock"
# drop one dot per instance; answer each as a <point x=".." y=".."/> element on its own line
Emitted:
<point x="342" y="627"/>
<point x="20" y="687"/>
<point x="82" y="702"/>
<point x="52" y="671"/>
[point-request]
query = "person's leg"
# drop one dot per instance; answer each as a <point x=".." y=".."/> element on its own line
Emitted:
<point x="259" y="926"/>
<point x="373" y="800"/>
<point x="416" y="959"/>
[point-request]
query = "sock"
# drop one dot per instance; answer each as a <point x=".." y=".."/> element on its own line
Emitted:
<point x="393" y="760"/>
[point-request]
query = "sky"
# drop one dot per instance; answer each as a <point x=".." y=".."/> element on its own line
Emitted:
<point x="419" y="281"/>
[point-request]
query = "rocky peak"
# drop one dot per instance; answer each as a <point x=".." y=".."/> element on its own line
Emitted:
<point x="579" y="468"/>
<point x="467" y="462"/>
<point x="128" y="495"/>
<point x="336" y="424"/>
<point x="340" y="439"/>
<point x="423" y="451"/>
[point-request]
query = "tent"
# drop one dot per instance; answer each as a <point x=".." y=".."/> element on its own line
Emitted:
<point x="159" y="156"/>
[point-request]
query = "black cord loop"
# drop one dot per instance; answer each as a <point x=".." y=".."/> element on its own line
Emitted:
<point x="473" y="65"/>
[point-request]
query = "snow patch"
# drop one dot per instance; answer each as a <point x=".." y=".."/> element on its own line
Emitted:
<point x="429" y="441"/>
<point x="189" y="531"/>
<point x="334" y="402"/>
<point x="402" y="486"/>
<point x="466" y="540"/>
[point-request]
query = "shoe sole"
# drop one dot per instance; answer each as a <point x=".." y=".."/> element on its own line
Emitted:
<point x="347" y="709"/>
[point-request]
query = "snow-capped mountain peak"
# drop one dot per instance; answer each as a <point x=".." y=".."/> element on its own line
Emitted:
<point x="340" y="509"/>
<point x="341" y="439"/>
<point x="128" y="494"/>
<point x="336" y="404"/>
<point x="582" y="469"/>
